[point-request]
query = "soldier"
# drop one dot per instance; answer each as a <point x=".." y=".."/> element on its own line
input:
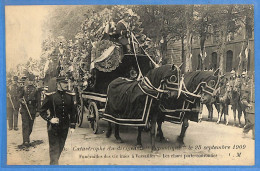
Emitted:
<point x="245" y="87"/>
<point x="13" y="104"/>
<point x="30" y="102"/>
<point x="62" y="107"/>
<point x="232" y="74"/>
<point x="248" y="106"/>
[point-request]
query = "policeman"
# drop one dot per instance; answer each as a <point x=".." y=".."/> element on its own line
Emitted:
<point x="29" y="99"/>
<point x="13" y="104"/>
<point x="62" y="107"/>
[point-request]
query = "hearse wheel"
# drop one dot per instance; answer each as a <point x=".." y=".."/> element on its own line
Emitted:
<point x="80" y="111"/>
<point x="94" y="116"/>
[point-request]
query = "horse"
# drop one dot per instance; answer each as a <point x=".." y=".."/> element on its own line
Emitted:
<point x="199" y="86"/>
<point x="210" y="102"/>
<point x="159" y="83"/>
<point x="222" y="96"/>
<point x="234" y="96"/>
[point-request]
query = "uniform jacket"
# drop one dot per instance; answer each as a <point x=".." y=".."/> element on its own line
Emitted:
<point x="13" y="90"/>
<point x="246" y="97"/>
<point x="32" y="97"/>
<point x="62" y="105"/>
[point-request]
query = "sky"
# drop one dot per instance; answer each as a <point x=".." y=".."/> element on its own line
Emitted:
<point x="24" y="33"/>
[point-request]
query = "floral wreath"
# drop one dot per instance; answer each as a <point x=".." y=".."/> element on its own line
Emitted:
<point x="111" y="62"/>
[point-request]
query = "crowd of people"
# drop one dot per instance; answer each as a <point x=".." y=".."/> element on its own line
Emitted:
<point x="238" y="92"/>
<point x="58" y="108"/>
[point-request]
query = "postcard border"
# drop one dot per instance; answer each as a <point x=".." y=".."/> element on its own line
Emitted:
<point x="3" y="130"/>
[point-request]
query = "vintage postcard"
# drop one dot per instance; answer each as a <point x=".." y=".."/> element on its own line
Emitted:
<point x="130" y="84"/>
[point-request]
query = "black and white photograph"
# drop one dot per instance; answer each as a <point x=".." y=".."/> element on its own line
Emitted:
<point x="130" y="84"/>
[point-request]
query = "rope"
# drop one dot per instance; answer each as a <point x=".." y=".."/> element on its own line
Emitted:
<point x="180" y="86"/>
<point x="186" y="91"/>
<point x="148" y="83"/>
<point x="156" y="65"/>
<point x="140" y="72"/>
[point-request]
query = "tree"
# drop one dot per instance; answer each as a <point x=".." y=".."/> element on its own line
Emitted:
<point x="188" y="48"/>
<point x="225" y="20"/>
<point x="245" y="15"/>
<point x="66" y="20"/>
<point x="162" y="24"/>
<point x="201" y="29"/>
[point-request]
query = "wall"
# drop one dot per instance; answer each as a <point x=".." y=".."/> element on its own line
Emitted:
<point x="174" y="52"/>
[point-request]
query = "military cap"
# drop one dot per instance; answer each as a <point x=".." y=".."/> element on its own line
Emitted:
<point x="15" y="78"/>
<point x="23" y="79"/>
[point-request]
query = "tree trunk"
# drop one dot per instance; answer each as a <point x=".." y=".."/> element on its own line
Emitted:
<point x="202" y="49"/>
<point x="248" y="30"/>
<point x="203" y="35"/>
<point x="222" y="49"/>
<point x="164" y="50"/>
<point x="224" y="33"/>
<point x="203" y="32"/>
<point x="188" y="46"/>
<point x="182" y="49"/>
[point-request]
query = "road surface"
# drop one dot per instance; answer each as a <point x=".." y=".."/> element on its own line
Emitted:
<point x="206" y="143"/>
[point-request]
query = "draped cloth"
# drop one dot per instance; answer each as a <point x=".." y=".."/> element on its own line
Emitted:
<point x="192" y="81"/>
<point x="127" y="103"/>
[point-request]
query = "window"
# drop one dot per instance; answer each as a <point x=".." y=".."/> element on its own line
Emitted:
<point x="229" y="61"/>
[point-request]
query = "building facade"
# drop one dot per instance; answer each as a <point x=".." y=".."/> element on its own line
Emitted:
<point x="233" y="49"/>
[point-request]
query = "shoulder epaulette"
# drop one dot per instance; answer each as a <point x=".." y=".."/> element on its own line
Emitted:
<point x="50" y="93"/>
<point x="71" y="93"/>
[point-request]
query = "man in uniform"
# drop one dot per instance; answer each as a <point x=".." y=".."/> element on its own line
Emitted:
<point x="29" y="99"/>
<point x="62" y="107"/>
<point x="245" y="87"/>
<point x="232" y="75"/>
<point x="248" y="106"/>
<point x="13" y="104"/>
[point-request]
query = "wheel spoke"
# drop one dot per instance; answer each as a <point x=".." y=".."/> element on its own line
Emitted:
<point x="93" y="112"/>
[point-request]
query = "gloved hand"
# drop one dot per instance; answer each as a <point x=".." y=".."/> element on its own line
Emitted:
<point x="72" y="130"/>
<point x="21" y="101"/>
<point x="37" y="114"/>
<point x="54" y="120"/>
<point x="249" y="106"/>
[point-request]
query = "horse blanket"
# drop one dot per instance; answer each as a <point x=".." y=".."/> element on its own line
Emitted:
<point x="127" y="103"/>
<point x="171" y="108"/>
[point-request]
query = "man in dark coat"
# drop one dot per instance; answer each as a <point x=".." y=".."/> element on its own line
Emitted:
<point x="62" y="107"/>
<point x="13" y="104"/>
<point x="30" y="102"/>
